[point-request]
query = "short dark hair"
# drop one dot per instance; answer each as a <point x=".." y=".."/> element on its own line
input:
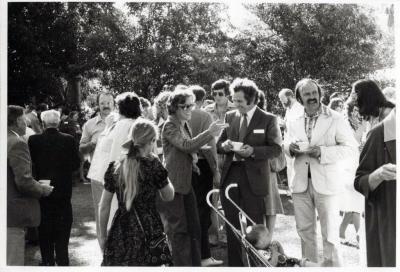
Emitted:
<point x="262" y="101"/>
<point x="13" y="113"/>
<point x="129" y="105"/>
<point x="103" y="93"/>
<point x="198" y="92"/>
<point x="370" y="98"/>
<point x="144" y="102"/>
<point x="221" y="84"/>
<point x="300" y="85"/>
<point x="178" y="96"/>
<point x="42" y="107"/>
<point x="248" y="87"/>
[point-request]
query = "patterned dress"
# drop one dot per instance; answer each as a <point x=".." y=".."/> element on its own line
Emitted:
<point x="125" y="244"/>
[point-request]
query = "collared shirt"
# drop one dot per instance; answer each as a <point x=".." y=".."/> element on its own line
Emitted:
<point x="311" y="120"/>
<point x="92" y="129"/>
<point x="250" y="114"/>
<point x="212" y="109"/>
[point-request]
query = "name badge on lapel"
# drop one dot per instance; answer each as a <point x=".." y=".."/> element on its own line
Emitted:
<point x="258" y="131"/>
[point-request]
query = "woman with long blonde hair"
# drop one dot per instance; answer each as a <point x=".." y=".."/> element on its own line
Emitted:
<point x="135" y="179"/>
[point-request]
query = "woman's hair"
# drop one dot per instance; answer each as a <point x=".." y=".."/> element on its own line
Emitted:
<point x="177" y="97"/>
<point x="369" y="98"/>
<point x="334" y="103"/>
<point x="129" y="105"/>
<point x="262" y="101"/>
<point x="141" y="133"/>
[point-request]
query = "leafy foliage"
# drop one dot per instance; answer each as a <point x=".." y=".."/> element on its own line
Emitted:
<point x="55" y="49"/>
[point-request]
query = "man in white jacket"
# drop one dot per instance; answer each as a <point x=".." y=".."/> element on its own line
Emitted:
<point x="317" y="140"/>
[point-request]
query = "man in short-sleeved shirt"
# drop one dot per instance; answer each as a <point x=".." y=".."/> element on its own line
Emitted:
<point x="93" y="127"/>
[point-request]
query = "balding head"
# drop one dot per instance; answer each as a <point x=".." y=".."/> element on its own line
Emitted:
<point x="50" y="118"/>
<point x="390" y="94"/>
<point x="286" y="96"/>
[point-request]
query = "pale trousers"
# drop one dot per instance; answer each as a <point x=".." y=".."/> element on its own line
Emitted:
<point x="289" y="171"/>
<point x="97" y="190"/>
<point x="15" y="246"/>
<point x="328" y="209"/>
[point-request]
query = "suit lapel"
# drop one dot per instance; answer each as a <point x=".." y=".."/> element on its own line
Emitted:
<point x="322" y="125"/>
<point x="253" y="122"/>
<point x="299" y="129"/>
<point x="235" y="127"/>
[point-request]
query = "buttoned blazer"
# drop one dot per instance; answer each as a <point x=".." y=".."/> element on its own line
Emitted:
<point x="177" y="151"/>
<point x="263" y="134"/>
<point x="23" y="191"/>
<point x="333" y="134"/>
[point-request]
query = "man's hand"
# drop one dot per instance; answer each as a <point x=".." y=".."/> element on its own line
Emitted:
<point x="315" y="152"/>
<point x="46" y="189"/>
<point x="294" y="149"/>
<point x="246" y="151"/>
<point x="227" y="146"/>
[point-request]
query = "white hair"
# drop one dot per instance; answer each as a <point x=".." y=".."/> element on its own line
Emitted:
<point x="50" y="118"/>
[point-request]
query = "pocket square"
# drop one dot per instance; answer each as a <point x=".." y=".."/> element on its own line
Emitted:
<point x="259" y="131"/>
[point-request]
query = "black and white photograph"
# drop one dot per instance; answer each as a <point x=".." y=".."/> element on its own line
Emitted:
<point x="200" y="134"/>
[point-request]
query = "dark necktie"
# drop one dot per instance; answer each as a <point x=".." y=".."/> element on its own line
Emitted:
<point x="242" y="133"/>
<point x="243" y="128"/>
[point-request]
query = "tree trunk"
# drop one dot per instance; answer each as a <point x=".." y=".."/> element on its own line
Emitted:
<point x="74" y="92"/>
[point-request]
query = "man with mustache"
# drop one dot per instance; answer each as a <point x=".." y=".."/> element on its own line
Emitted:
<point x="317" y="140"/>
<point x="91" y="131"/>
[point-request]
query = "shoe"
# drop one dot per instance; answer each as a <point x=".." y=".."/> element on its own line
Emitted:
<point x="211" y="262"/>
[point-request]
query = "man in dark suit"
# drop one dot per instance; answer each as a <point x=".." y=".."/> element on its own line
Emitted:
<point x="22" y="190"/>
<point x="54" y="157"/>
<point x="248" y="165"/>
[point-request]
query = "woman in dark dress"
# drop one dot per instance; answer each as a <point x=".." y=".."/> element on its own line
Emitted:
<point x="376" y="173"/>
<point x="136" y="180"/>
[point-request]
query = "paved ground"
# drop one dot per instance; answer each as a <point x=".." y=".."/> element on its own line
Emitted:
<point x="84" y="249"/>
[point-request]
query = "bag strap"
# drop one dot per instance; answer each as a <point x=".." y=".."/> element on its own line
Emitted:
<point x="140" y="223"/>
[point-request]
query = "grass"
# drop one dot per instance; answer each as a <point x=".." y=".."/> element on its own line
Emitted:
<point x="84" y="249"/>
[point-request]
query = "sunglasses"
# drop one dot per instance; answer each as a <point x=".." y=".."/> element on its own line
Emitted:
<point x="218" y="94"/>
<point x="186" y="106"/>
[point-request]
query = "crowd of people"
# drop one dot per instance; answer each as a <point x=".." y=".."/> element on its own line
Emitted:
<point x="152" y="165"/>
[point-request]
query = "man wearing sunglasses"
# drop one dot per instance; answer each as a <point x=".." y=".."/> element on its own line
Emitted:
<point x="220" y="92"/>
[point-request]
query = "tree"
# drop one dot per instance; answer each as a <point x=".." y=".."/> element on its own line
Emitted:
<point x="336" y="44"/>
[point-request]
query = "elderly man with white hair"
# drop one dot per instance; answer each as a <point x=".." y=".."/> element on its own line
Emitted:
<point x="55" y="156"/>
<point x="390" y="94"/>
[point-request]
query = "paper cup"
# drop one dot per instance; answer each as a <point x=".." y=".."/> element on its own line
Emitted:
<point x="236" y="145"/>
<point x="303" y="146"/>
<point x="45" y="181"/>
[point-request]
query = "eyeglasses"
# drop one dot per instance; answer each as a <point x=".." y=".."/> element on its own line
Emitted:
<point x="218" y="93"/>
<point x="186" y="106"/>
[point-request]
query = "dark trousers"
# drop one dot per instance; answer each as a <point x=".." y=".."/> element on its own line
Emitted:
<point x="201" y="186"/>
<point x="251" y="204"/>
<point x="182" y="226"/>
<point x="54" y="233"/>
